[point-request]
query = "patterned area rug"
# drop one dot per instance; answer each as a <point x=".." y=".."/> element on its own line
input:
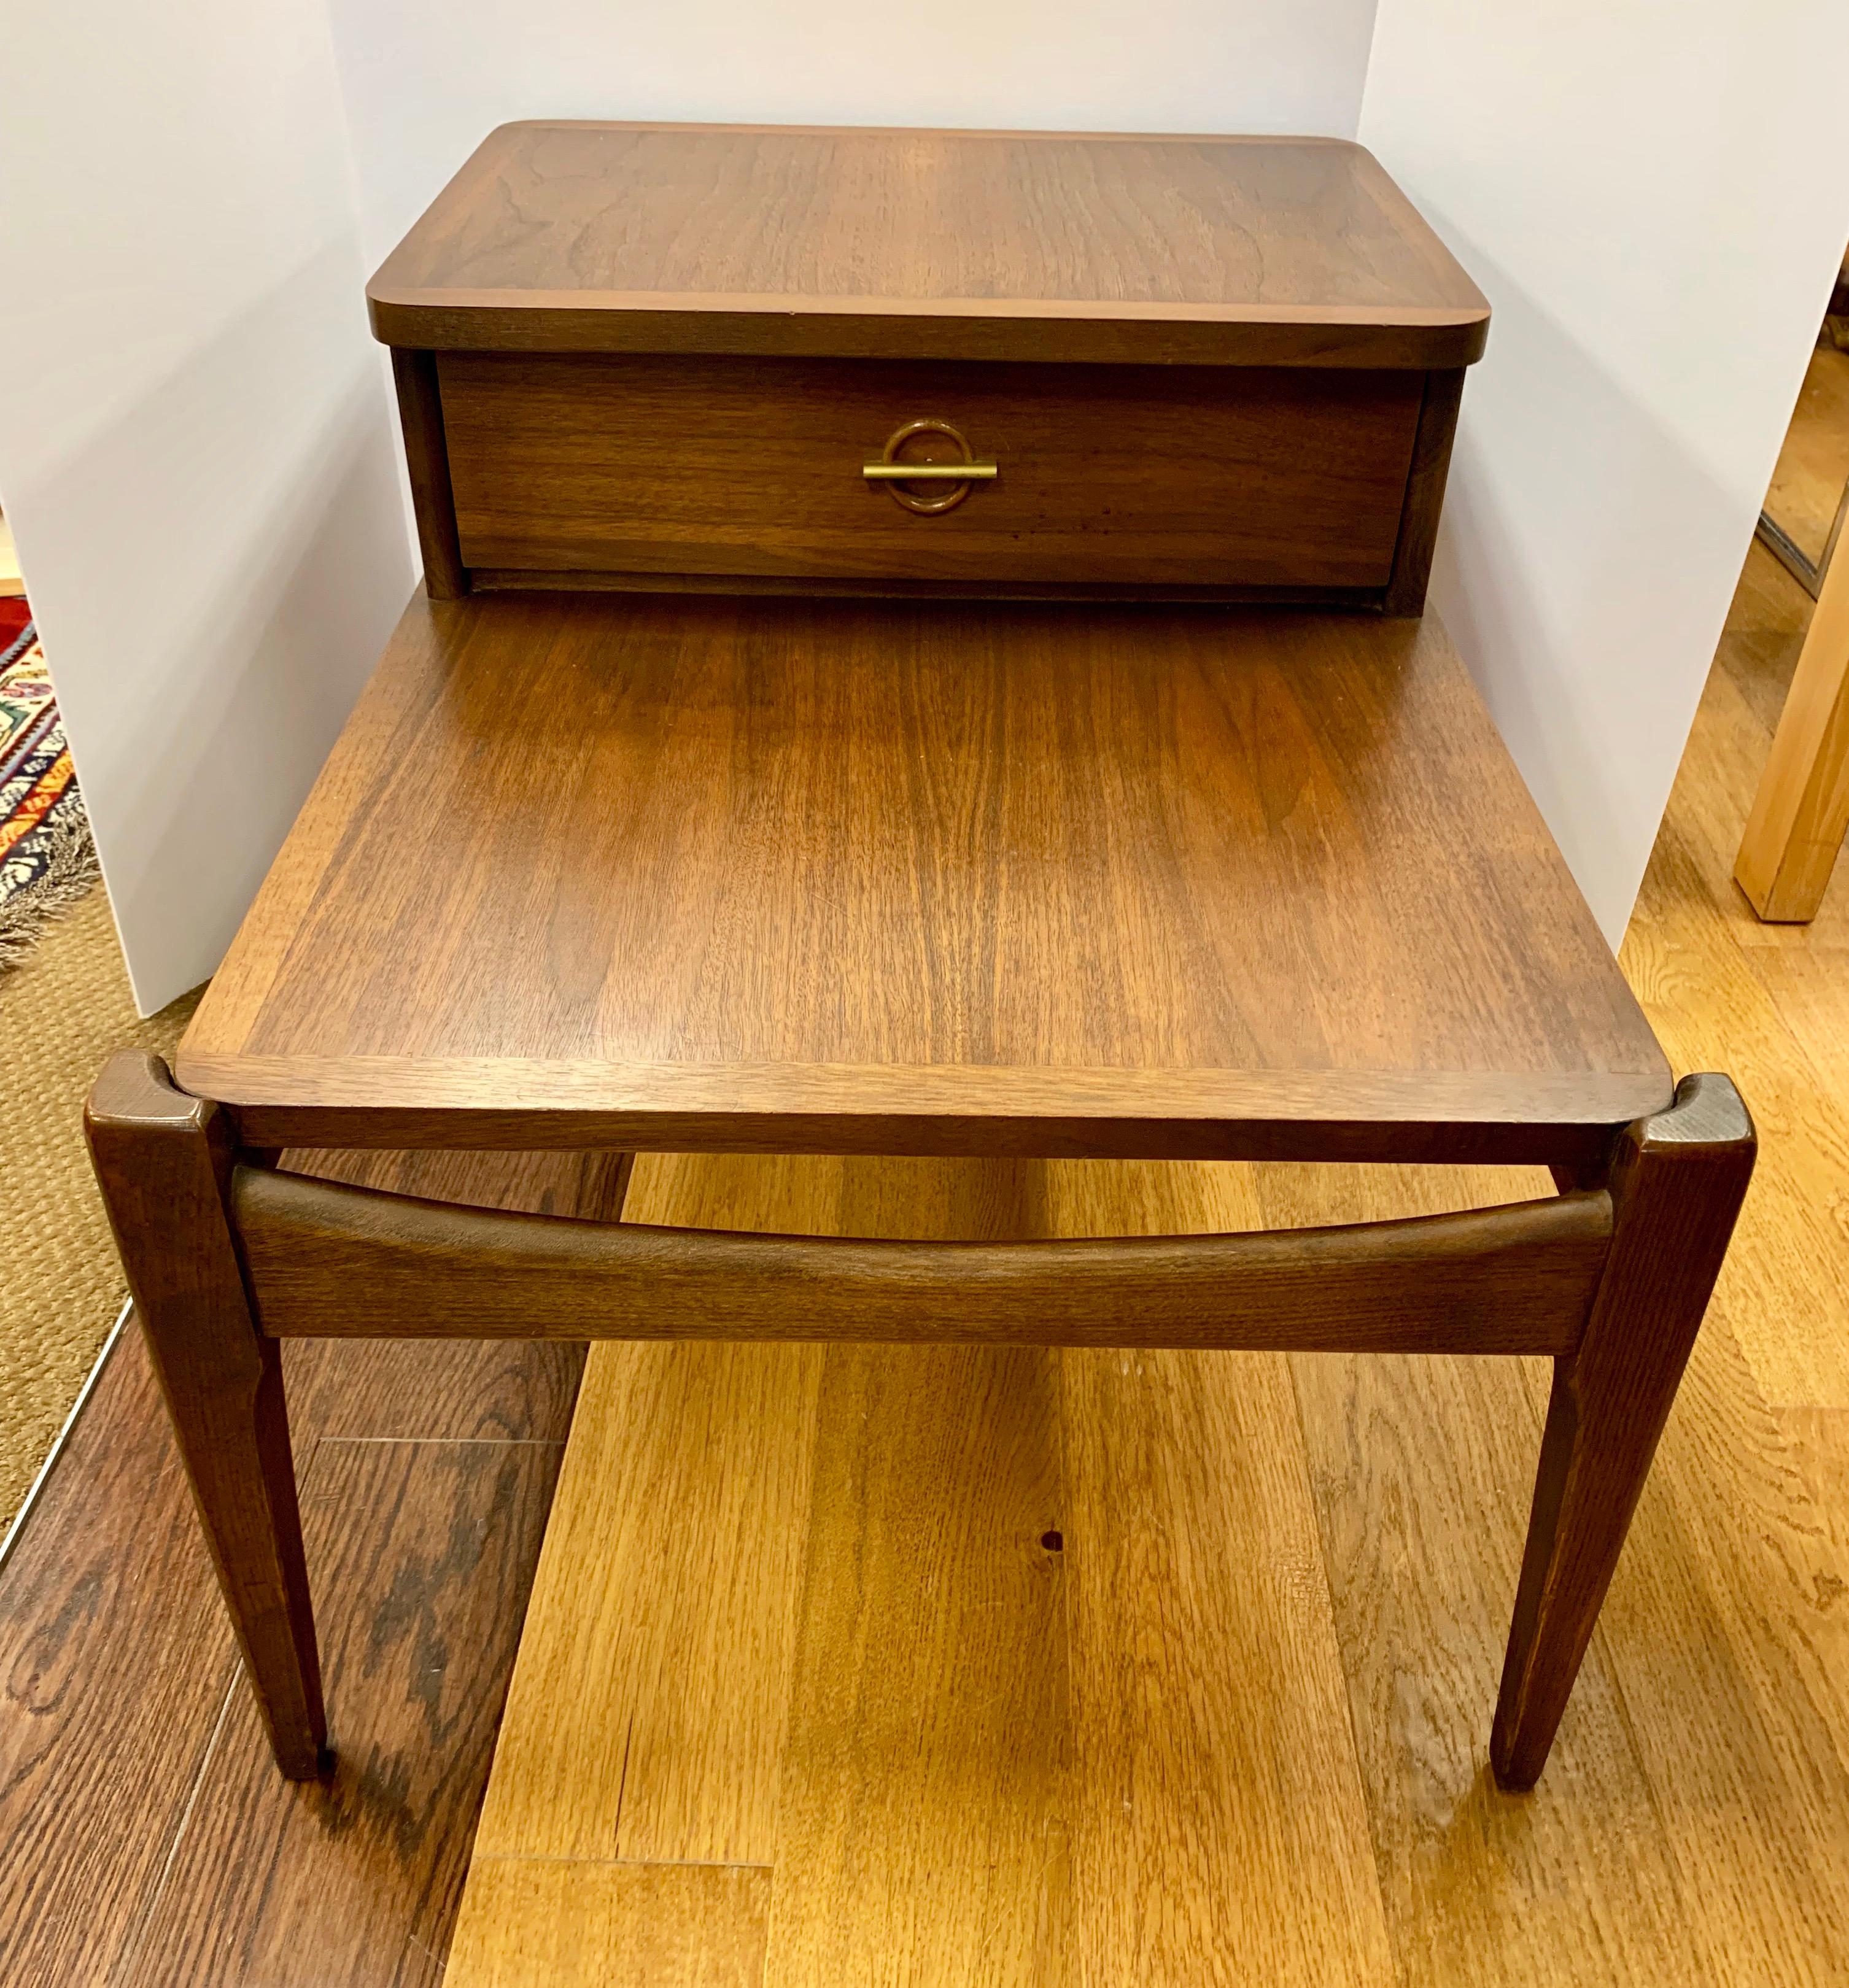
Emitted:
<point x="47" y="860"/>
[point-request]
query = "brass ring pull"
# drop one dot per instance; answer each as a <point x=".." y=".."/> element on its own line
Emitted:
<point x="895" y="474"/>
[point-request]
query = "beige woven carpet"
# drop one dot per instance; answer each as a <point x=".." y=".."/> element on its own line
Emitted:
<point x="61" y="1011"/>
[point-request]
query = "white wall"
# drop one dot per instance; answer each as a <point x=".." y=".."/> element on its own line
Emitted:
<point x="1655" y="196"/>
<point x="425" y="80"/>
<point x="197" y="453"/>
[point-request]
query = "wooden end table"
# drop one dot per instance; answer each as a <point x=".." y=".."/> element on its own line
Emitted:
<point x="686" y="871"/>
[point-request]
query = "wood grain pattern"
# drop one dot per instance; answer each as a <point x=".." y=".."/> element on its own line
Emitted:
<point x="1420" y="1489"/>
<point x="1210" y="1700"/>
<point x="1580" y="1881"/>
<point x="581" y="1186"/>
<point x="1419" y="1482"/>
<point x="1425" y="493"/>
<point x="1728" y="1636"/>
<point x="460" y="1390"/>
<point x="1677" y="1183"/>
<point x="1731" y="1591"/>
<point x="610" y="1925"/>
<point x="648" y="1725"/>
<point x="930" y="1712"/>
<point x="421" y="1553"/>
<point x="902" y="877"/>
<point x="1142" y="476"/>
<point x="1704" y="988"/>
<point x="1691" y="1827"/>
<point x="1802" y="809"/>
<point x="162" y="1162"/>
<point x="920" y="1833"/>
<point x="326" y="1260"/>
<point x="940" y="1576"/>
<point x="109" y="1579"/>
<point x="427" y="460"/>
<point x="1040" y="245"/>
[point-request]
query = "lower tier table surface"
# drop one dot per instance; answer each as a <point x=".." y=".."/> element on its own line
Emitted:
<point x="917" y="877"/>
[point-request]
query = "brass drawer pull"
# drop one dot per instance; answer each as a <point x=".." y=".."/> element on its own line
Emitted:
<point x="907" y="472"/>
<point x="887" y="468"/>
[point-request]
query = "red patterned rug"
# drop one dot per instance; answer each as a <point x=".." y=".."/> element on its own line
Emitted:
<point x="47" y="860"/>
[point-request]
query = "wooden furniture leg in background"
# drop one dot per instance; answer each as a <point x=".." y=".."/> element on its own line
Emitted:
<point x="163" y="1160"/>
<point x="1677" y="1182"/>
<point x="1802" y="807"/>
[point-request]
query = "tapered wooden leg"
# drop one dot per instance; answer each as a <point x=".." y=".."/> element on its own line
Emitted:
<point x="163" y="1159"/>
<point x="1677" y="1182"/>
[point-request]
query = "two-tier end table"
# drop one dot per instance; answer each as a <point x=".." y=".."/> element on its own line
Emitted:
<point x="921" y="653"/>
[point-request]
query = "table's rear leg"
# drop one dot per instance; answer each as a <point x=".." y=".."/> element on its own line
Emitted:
<point x="1677" y="1182"/>
<point x="162" y="1160"/>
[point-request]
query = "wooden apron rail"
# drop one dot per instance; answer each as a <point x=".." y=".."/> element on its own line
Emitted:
<point x="326" y="1260"/>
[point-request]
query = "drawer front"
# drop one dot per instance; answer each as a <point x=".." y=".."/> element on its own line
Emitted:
<point x="1137" y="476"/>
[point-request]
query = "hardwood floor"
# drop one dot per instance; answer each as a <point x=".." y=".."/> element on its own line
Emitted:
<point x="149" y="1838"/>
<point x="1015" y="1666"/>
<point x="951" y="1664"/>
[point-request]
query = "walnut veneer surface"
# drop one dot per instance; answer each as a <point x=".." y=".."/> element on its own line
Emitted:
<point x="829" y="875"/>
<point x="995" y="245"/>
<point x="1150" y="474"/>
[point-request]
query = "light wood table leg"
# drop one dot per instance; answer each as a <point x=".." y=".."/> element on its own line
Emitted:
<point x="1802" y="807"/>
<point x="162" y="1160"/>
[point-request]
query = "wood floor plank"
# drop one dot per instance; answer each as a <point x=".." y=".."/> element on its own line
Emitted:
<point x="116" y="1659"/>
<point x="646" y="1716"/>
<point x="651" y="1726"/>
<point x="1210" y="1722"/>
<point x="1757" y="655"/>
<point x="1713" y="1011"/>
<point x="587" y="1186"/>
<point x="1423" y="1470"/>
<point x="119" y="1669"/>
<point x="921" y="1836"/>
<point x="1810" y="987"/>
<point x="1726" y="1633"/>
<point x="1728" y="746"/>
<point x="1219" y="1829"/>
<point x="647" y="1720"/>
<point x="582" y="1924"/>
<point x="452" y="1390"/>
<point x="420" y="1554"/>
<point x="1818" y="1439"/>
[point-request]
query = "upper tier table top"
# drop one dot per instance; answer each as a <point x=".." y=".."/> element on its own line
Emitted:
<point x="843" y="875"/>
<point x="978" y="245"/>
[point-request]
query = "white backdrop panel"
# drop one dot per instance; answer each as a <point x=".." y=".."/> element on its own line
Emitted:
<point x="197" y="452"/>
<point x="1654" y="198"/>
<point x="425" y="80"/>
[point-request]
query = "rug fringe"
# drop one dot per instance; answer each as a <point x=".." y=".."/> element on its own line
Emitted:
<point x="70" y="871"/>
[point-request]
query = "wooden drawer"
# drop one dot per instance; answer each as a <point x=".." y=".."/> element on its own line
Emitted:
<point x="609" y="467"/>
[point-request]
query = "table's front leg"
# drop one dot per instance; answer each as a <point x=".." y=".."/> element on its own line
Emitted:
<point x="163" y="1160"/>
<point x="1677" y="1182"/>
